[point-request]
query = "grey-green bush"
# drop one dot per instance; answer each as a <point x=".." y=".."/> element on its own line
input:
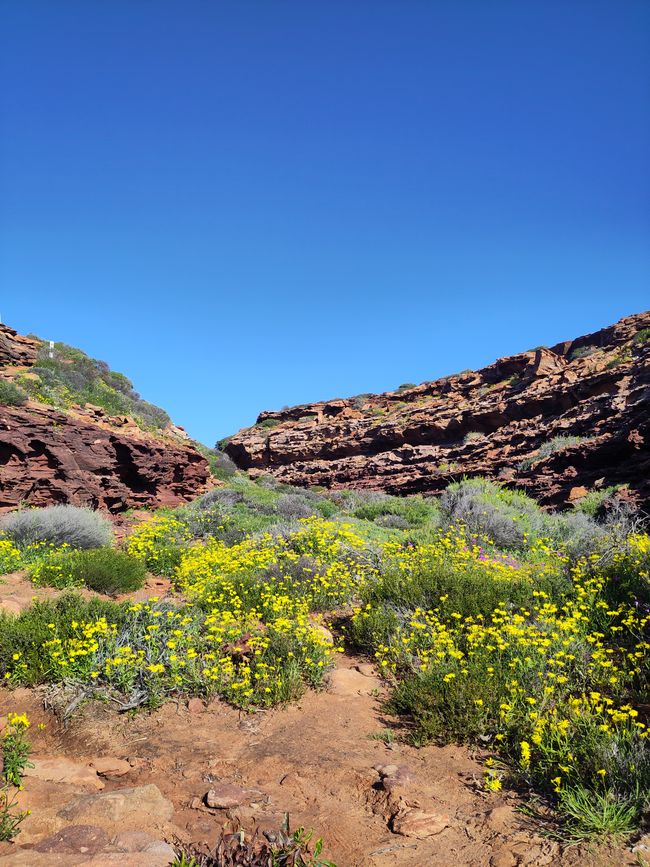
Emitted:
<point x="293" y="506"/>
<point x="10" y="394"/>
<point x="76" y="526"/>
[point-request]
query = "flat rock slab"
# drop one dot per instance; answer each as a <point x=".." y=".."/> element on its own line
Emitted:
<point x="224" y="796"/>
<point x="75" y="839"/>
<point x="63" y="770"/>
<point x="133" y="808"/>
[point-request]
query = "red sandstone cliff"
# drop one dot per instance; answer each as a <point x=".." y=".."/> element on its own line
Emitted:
<point x="85" y="457"/>
<point x="490" y="422"/>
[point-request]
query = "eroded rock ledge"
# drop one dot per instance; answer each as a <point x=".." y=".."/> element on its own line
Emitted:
<point x="491" y="422"/>
<point x="51" y="457"/>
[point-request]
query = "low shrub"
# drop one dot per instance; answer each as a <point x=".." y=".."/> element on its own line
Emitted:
<point x="75" y="526"/>
<point x="558" y="444"/>
<point x="416" y="511"/>
<point x="105" y="570"/>
<point x="26" y="646"/>
<point x="393" y="522"/>
<point x="295" y="506"/>
<point x="582" y="352"/>
<point x="642" y="336"/>
<point x="481" y="507"/>
<point x="222" y="465"/>
<point x="11" y="394"/>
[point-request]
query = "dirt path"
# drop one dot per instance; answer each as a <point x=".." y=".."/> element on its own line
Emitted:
<point x="314" y="760"/>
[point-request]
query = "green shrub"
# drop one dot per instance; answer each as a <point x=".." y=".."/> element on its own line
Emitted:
<point x="222" y="465"/>
<point x="75" y="526"/>
<point x="11" y="394"/>
<point x="109" y="571"/>
<point x="642" y="336"/>
<point x="105" y="570"/>
<point x="558" y="444"/>
<point x="592" y="503"/>
<point x="27" y="634"/>
<point x="415" y="510"/>
<point x="582" y="352"/>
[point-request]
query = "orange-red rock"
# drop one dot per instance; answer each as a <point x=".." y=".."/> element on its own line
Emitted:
<point x="489" y="422"/>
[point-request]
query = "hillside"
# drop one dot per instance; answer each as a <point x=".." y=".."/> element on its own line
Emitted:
<point x="556" y="422"/>
<point x="74" y="431"/>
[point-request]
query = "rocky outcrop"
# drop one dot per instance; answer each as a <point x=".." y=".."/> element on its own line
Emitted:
<point x="49" y="457"/>
<point x="503" y="422"/>
<point x="84" y="456"/>
<point x="17" y="350"/>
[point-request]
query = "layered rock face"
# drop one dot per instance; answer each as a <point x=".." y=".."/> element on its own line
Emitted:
<point x="15" y="349"/>
<point x="503" y="422"/>
<point x="86" y="457"/>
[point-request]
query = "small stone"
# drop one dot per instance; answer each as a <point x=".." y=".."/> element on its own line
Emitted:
<point x="225" y="795"/>
<point x="348" y="682"/>
<point x="134" y="808"/>
<point x="140" y="841"/>
<point x="386" y="770"/>
<point x="503" y="858"/>
<point x="196" y="705"/>
<point x="642" y="845"/>
<point x="415" y="823"/>
<point x="500" y="819"/>
<point x="110" y="767"/>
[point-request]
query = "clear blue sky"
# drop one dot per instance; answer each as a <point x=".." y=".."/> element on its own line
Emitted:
<point x="246" y="204"/>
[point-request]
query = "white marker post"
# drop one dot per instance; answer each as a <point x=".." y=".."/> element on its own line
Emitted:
<point x="51" y="352"/>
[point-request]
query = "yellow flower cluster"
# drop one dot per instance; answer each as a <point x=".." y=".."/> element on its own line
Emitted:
<point x="315" y="564"/>
<point x="9" y="557"/>
<point x="157" y="543"/>
<point x="455" y="553"/>
<point x="249" y="630"/>
<point x="549" y="680"/>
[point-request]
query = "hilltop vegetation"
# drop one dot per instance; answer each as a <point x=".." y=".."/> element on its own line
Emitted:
<point x="493" y="622"/>
<point x="66" y="376"/>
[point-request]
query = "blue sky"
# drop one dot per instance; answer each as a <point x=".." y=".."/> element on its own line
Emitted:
<point x="245" y="204"/>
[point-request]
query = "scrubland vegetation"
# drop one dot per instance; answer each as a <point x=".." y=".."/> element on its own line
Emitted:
<point x="70" y="377"/>
<point x="493" y="623"/>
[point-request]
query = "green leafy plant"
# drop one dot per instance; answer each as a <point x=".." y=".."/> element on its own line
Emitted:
<point x="592" y="814"/>
<point x="105" y="570"/>
<point x="11" y="818"/>
<point x="15" y="749"/>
